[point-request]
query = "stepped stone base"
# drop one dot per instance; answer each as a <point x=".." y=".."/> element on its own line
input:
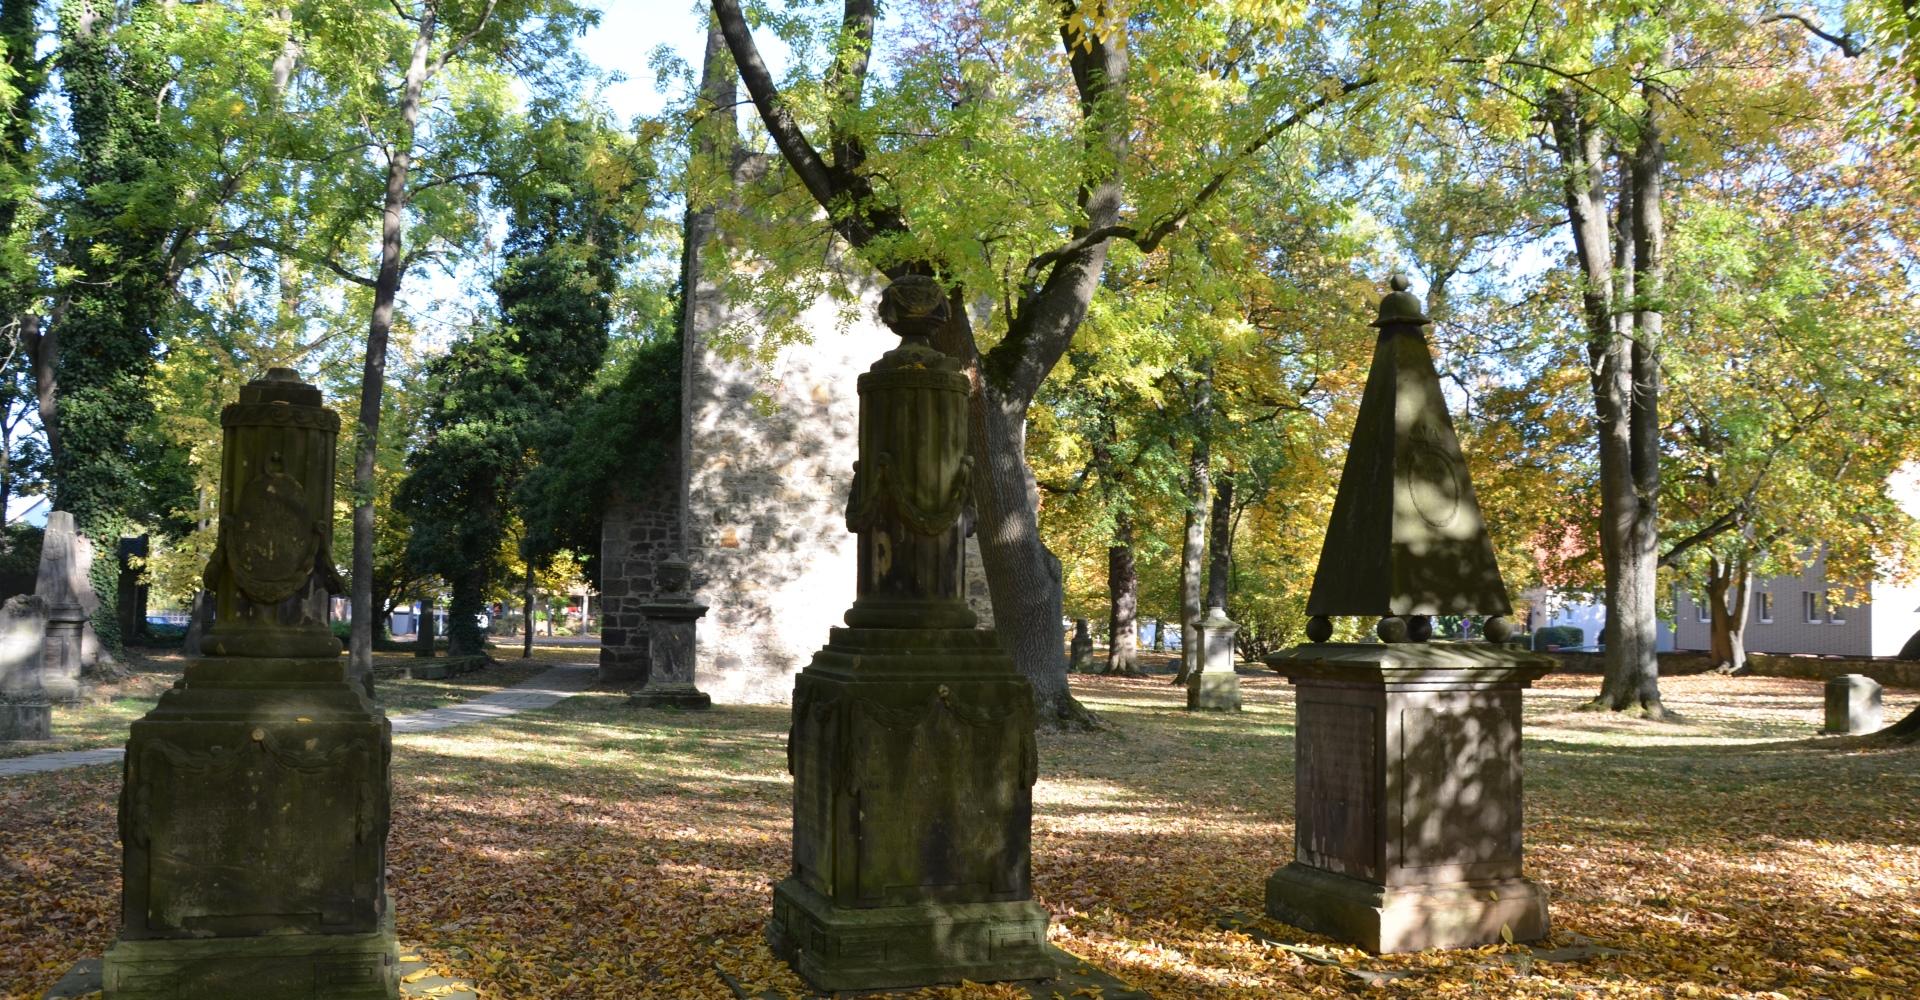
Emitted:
<point x="843" y="948"/>
<point x="26" y="720"/>
<point x="1213" y="691"/>
<point x="286" y="966"/>
<point x="1386" y="920"/>
<point x="683" y="696"/>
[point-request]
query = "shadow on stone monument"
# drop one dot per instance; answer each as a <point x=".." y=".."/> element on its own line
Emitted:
<point x="1407" y="752"/>
<point x="254" y="816"/>
<point x="26" y="706"/>
<point x="912" y="745"/>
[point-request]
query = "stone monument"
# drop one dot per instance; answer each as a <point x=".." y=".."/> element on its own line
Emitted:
<point x="1407" y="753"/>
<point x="1853" y="704"/>
<point x="65" y="585"/>
<point x="1213" y="686"/>
<point x="670" y="643"/>
<point x="26" y="712"/>
<point x="912" y="745"/>
<point x="1080" y="649"/>
<point x="254" y="816"/>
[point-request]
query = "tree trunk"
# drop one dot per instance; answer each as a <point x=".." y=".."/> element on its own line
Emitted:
<point x="1220" y="544"/>
<point x="44" y="344"/>
<point x="464" y="605"/>
<point x="1123" y="597"/>
<point x="1023" y="576"/>
<point x="373" y="377"/>
<point x="1193" y="544"/>
<point x="1625" y="386"/>
<point x="526" y="623"/>
<point x="1727" y="586"/>
<point x="423" y="632"/>
<point x="199" y="613"/>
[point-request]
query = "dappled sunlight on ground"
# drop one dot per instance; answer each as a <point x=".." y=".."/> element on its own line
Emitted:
<point x="594" y="850"/>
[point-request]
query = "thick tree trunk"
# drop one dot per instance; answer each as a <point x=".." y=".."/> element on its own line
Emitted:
<point x="464" y="637"/>
<point x="1220" y="544"/>
<point x="1023" y="576"/>
<point x="1123" y="597"/>
<point x="423" y="632"/>
<point x="1727" y="586"/>
<point x="1193" y="541"/>
<point x="44" y="345"/>
<point x="1621" y="350"/>
<point x="373" y="377"/>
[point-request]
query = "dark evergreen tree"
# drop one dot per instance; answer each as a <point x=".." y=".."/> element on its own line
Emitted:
<point x="495" y="392"/>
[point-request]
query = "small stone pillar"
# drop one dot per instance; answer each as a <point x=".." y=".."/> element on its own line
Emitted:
<point x="670" y="642"/>
<point x="1080" y="649"/>
<point x="912" y="747"/>
<point x="1214" y="687"/>
<point x="1853" y="704"/>
<point x="1407" y="805"/>
<point x="254" y="817"/>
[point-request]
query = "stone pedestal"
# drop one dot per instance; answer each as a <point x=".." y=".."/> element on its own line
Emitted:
<point x="1407" y="792"/>
<point x="254" y="826"/>
<point x="253" y="821"/>
<point x="913" y="761"/>
<point x="25" y="720"/>
<point x="1853" y="704"/>
<point x="912" y="748"/>
<point x="670" y="644"/>
<point x="1214" y="687"/>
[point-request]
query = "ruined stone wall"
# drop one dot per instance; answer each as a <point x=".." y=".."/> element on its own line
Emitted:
<point x="640" y="530"/>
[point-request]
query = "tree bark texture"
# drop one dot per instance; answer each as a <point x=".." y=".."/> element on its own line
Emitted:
<point x="1727" y="587"/>
<point x="1123" y="600"/>
<point x="423" y="632"/>
<point x="464" y="636"/>
<point x="1621" y="255"/>
<point x="373" y="377"/>
<point x="1220" y="543"/>
<point x="1193" y="541"/>
<point x="526" y="615"/>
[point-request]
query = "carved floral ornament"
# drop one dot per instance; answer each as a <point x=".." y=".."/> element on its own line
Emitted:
<point x="881" y="491"/>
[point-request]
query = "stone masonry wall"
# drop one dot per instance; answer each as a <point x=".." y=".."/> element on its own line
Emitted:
<point x="639" y="531"/>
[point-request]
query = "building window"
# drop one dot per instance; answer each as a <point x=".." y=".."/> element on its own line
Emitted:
<point x="1810" y="602"/>
<point x="1763" y="607"/>
<point x="1701" y="611"/>
<point x="1835" y="614"/>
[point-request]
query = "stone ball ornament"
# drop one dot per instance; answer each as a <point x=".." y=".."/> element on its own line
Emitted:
<point x="1499" y="628"/>
<point x="1319" y="628"/>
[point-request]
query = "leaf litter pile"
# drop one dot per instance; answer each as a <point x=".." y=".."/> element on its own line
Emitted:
<point x="598" y="851"/>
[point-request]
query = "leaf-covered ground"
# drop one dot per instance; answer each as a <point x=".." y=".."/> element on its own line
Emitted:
<point x="593" y="851"/>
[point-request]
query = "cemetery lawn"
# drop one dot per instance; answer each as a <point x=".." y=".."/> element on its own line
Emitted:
<point x="596" y="851"/>
<point x="101" y="718"/>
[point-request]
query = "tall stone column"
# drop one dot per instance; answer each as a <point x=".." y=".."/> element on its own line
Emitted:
<point x="254" y="816"/>
<point x="912" y="746"/>
<point x="1407" y="816"/>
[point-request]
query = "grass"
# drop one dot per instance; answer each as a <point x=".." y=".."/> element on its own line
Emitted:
<point x="101" y="717"/>
<point x="595" y="850"/>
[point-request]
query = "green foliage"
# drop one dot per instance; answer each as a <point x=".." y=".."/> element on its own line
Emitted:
<point x="1559" y="635"/>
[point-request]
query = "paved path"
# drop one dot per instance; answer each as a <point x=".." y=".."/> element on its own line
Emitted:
<point x="554" y="685"/>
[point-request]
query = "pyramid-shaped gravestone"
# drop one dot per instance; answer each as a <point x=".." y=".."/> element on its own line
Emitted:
<point x="1406" y="536"/>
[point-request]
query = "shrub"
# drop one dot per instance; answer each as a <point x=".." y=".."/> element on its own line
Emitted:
<point x="1559" y="635"/>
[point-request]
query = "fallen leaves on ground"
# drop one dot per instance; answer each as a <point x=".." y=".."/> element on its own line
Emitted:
<point x="597" y="851"/>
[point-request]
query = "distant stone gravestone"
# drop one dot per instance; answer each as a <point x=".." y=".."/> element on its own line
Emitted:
<point x="912" y="746"/>
<point x="1214" y="686"/>
<point x="65" y="584"/>
<point x="1080" y="649"/>
<point x="1853" y="704"/>
<point x="254" y="818"/>
<point x="26" y="713"/>
<point x="669" y="618"/>
<point x="1407" y="752"/>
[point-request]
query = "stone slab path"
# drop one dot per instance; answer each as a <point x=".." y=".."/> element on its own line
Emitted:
<point x="555" y="685"/>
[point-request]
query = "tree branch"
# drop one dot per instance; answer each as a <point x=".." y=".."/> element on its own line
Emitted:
<point x="1848" y="45"/>
<point x="463" y="41"/>
<point x="799" y="153"/>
